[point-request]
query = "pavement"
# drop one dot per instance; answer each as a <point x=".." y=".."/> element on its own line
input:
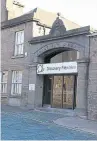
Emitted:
<point x="78" y="123"/>
<point x="67" y="118"/>
<point x="71" y="120"/>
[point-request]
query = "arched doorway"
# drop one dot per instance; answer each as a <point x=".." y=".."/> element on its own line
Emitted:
<point x="46" y="47"/>
<point x="45" y="54"/>
<point x="60" y="89"/>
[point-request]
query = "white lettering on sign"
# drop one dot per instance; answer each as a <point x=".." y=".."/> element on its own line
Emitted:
<point x="57" y="68"/>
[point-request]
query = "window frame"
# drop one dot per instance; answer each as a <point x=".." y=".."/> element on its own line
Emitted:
<point x="16" y="85"/>
<point x="3" y="83"/>
<point x="16" y="45"/>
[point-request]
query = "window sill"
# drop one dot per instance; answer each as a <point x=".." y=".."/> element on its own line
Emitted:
<point x="18" y="56"/>
<point x="15" y="96"/>
<point x="4" y="95"/>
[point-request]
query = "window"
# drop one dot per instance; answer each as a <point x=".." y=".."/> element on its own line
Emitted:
<point x="19" y="43"/>
<point x="16" y="83"/>
<point x="3" y="80"/>
<point x="41" y="30"/>
<point x="78" y="55"/>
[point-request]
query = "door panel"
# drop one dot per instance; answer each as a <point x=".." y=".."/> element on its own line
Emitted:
<point x="68" y="91"/>
<point x="57" y="91"/>
<point x="47" y="90"/>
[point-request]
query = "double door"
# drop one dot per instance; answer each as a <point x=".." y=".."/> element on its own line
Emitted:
<point x="64" y="92"/>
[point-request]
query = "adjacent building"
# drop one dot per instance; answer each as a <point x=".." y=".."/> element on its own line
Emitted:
<point x="48" y="60"/>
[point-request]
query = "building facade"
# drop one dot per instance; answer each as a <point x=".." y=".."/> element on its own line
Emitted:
<point x="43" y="65"/>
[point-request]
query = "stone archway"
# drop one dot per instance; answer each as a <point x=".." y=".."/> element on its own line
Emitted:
<point x="60" y="40"/>
<point x="55" y="46"/>
<point x="47" y="49"/>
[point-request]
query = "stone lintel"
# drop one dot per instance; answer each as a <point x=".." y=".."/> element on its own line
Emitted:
<point x="83" y="60"/>
<point x="31" y="66"/>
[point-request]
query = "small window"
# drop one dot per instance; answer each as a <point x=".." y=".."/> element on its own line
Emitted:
<point x="41" y="31"/>
<point x="19" y="43"/>
<point x="78" y="55"/>
<point x="16" y="83"/>
<point x="3" y="80"/>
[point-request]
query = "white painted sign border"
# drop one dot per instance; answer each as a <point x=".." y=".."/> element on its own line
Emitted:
<point x="57" y="68"/>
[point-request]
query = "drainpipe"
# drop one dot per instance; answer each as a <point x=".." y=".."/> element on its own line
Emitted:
<point x="88" y="78"/>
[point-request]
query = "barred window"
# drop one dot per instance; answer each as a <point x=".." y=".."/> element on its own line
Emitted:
<point x="19" y="43"/>
<point x="3" y="81"/>
<point x="16" y="83"/>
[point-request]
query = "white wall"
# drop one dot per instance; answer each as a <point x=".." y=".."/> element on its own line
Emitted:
<point x="39" y="30"/>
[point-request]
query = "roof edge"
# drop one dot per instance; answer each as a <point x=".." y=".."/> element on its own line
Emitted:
<point x="11" y="23"/>
<point x="69" y="33"/>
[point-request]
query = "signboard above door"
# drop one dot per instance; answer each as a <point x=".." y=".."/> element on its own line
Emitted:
<point x="57" y="68"/>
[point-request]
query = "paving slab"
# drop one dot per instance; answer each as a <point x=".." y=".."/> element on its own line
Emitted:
<point x="24" y="124"/>
<point x="78" y="123"/>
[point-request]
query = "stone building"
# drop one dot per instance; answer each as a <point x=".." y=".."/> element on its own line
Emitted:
<point x="49" y="65"/>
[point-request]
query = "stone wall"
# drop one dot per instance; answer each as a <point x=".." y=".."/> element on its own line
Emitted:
<point x="82" y="83"/>
<point x="39" y="50"/>
<point x="92" y="84"/>
<point x="10" y="62"/>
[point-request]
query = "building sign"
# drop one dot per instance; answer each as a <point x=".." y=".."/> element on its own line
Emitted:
<point x="31" y="87"/>
<point x="57" y="68"/>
